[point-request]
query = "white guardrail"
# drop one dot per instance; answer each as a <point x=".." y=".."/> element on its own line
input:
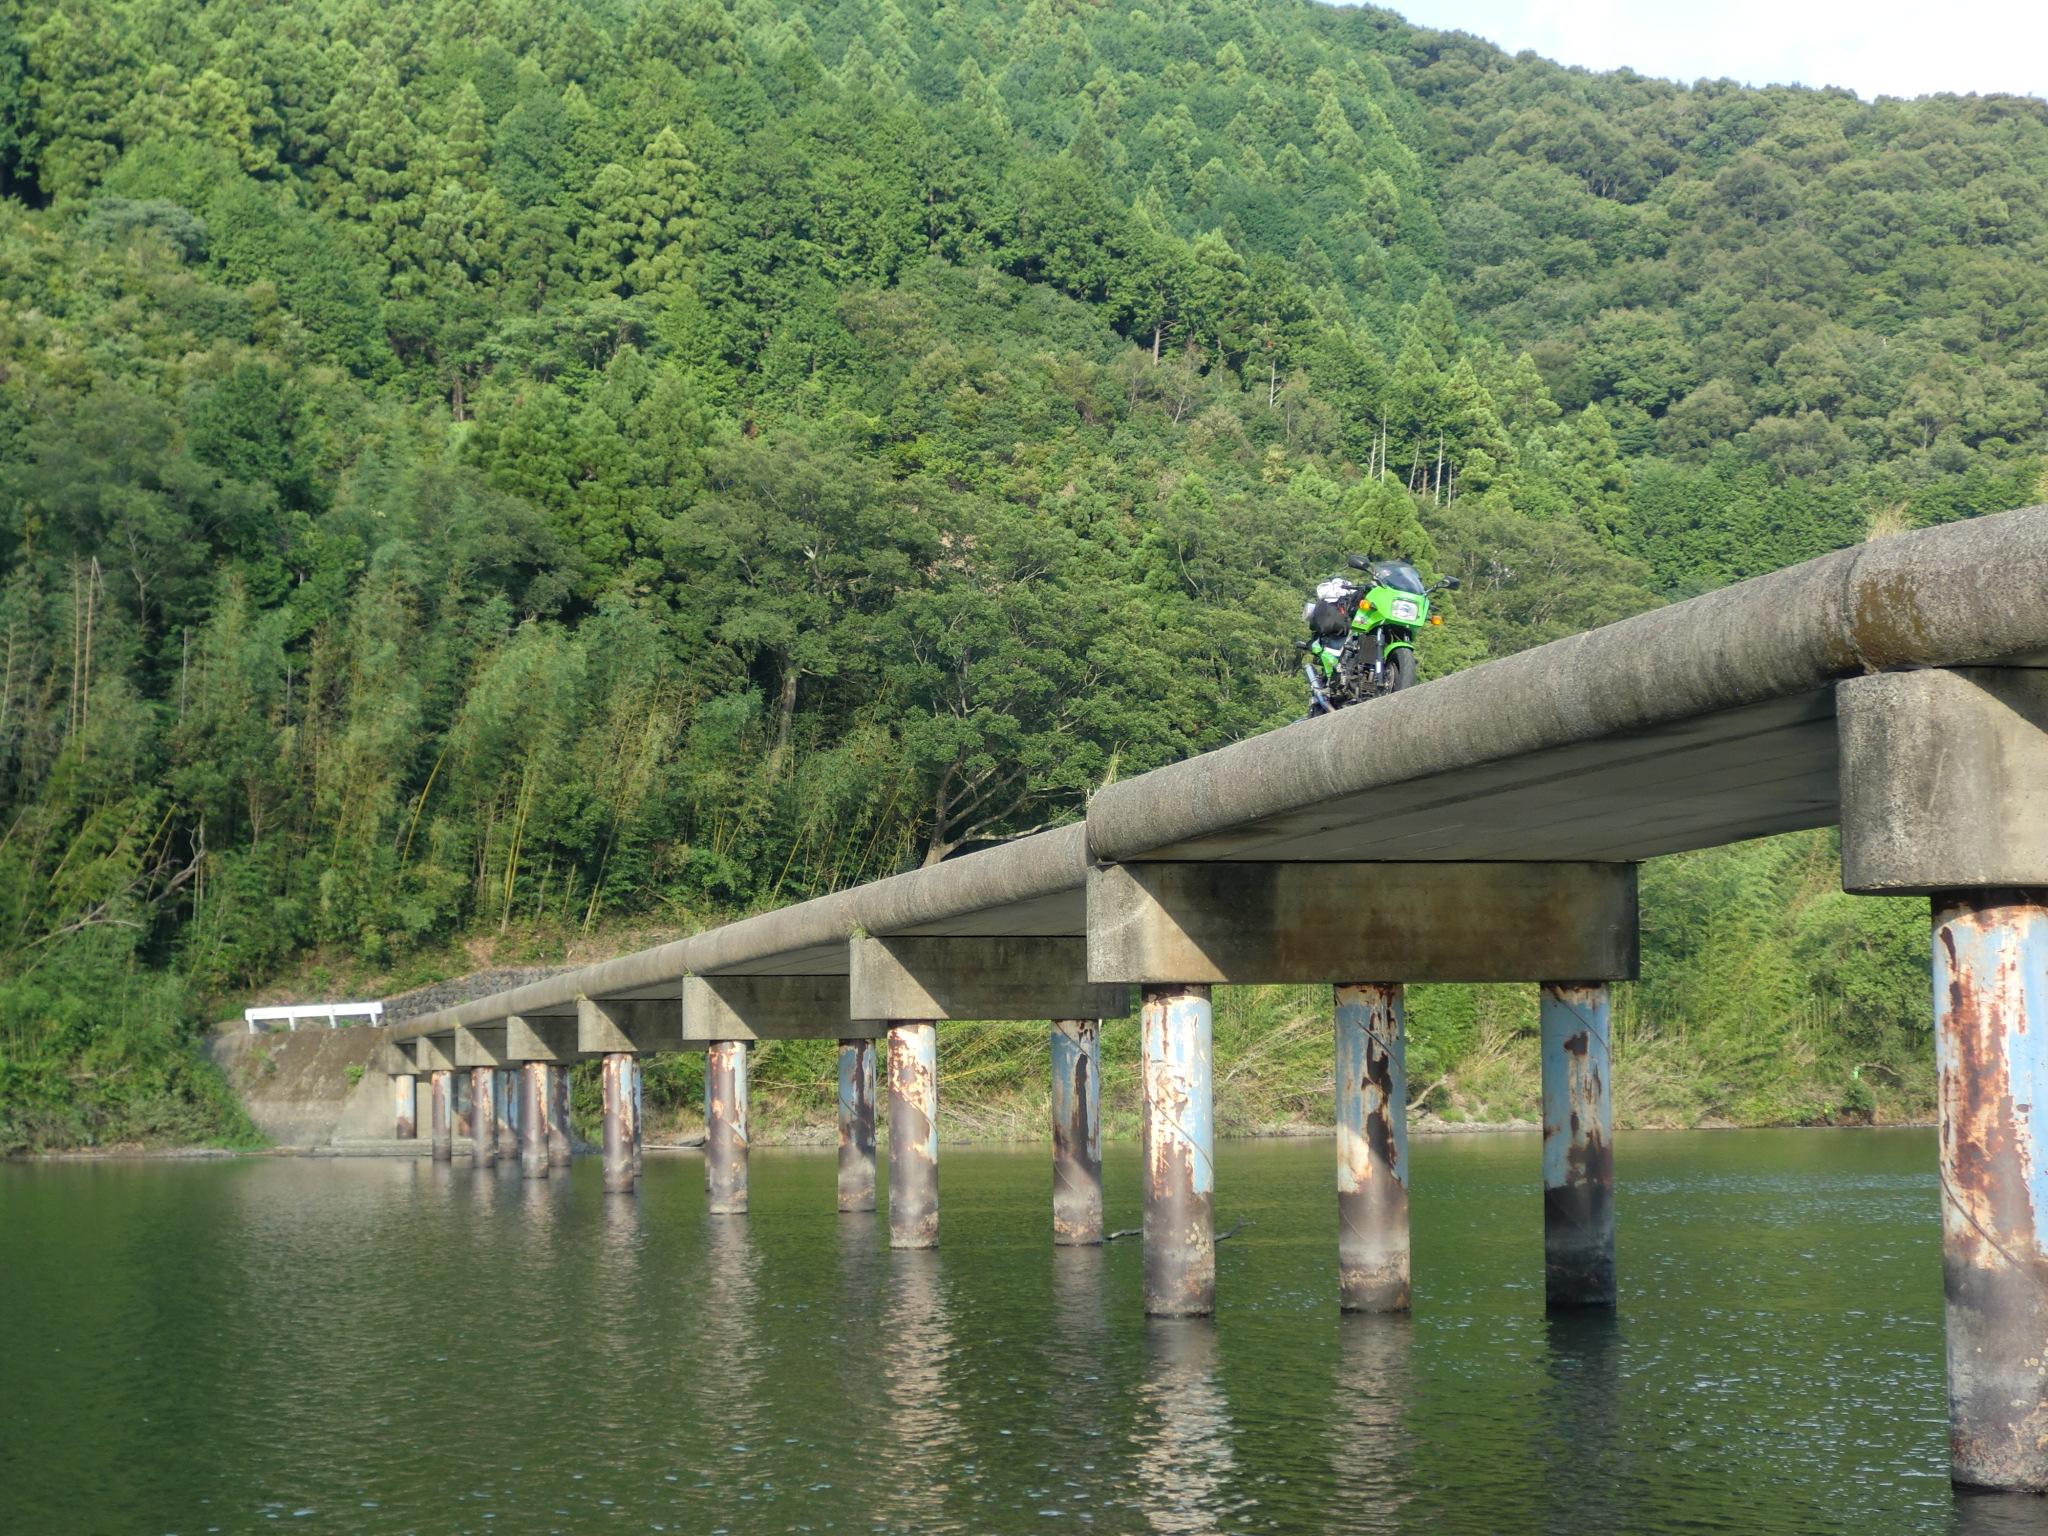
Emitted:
<point x="291" y="1013"/>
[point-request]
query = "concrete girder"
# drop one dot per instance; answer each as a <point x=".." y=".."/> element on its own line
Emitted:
<point x="1240" y="923"/>
<point x="544" y="1039"/>
<point x="481" y="1045"/>
<point x="435" y="1053"/>
<point x="769" y="1008"/>
<point x="978" y="978"/>
<point x="1944" y="780"/>
<point x="628" y="1026"/>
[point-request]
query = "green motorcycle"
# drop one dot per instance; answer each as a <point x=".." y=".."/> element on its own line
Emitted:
<point x="1362" y="641"/>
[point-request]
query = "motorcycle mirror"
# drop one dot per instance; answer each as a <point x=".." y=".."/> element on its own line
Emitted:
<point x="1359" y="563"/>
<point x="1450" y="583"/>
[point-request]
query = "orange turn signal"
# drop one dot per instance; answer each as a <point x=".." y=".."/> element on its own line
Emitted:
<point x="1436" y="618"/>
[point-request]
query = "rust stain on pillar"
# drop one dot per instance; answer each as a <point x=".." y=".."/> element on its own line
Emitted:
<point x="913" y="1135"/>
<point x="483" y="1124"/>
<point x="1991" y="1061"/>
<point x="505" y="1109"/>
<point x="1176" y="1150"/>
<point x="533" y="1119"/>
<point x="1578" y="1145"/>
<point x="725" y="1128"/>
<point x="406" y="1088"/>
<point x="618" y="1129"/>
<point x="1372" y="1148"/>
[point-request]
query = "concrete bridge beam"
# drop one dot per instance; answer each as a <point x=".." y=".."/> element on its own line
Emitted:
<point x="978" y="978"/>
<point x="1944" y="779"/>
<point x="754" y="1008"/>
<point x="627" y="1026"/>
<point x="856" y="1125"/>
<point x="1242" y="923"/>
<point x="913" y="1134"/>
<point x="543" y="1038"/>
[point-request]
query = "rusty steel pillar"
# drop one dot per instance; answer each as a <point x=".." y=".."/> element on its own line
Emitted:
<point x="1177" y="1149"/>
<point x="1076" y="1132"/>
<point x="725" y="1128"/>
<point x="856" y="1125"/>
<point x="1578" y="1146"/>
<point x="913" y="1135"/>
<point x="560" y="1146"/>
<point x="406" y="1088"/>
<point x="441" y="1109"/>
<point x="505" y="1108"/>
<point x="618" y="1123"/>
<point x="533" y="1119"/>
<point x="1372" y="1148"/>
<point x="1990" y="1020"/>
<point x="483" y="1124"/>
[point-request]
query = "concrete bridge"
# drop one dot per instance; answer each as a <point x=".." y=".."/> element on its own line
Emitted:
<point x="1485" y="828"/>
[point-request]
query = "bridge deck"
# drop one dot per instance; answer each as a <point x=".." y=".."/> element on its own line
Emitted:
<point x="1706" y="722"/>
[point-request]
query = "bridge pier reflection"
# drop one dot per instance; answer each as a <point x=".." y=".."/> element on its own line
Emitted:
<point x="1185" y="1461"/>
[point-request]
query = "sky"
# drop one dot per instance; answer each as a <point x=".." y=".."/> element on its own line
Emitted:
<point x="1873" y="47"/>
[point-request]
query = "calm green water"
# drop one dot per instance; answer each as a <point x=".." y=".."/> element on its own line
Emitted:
<point x="387" y="1346"/>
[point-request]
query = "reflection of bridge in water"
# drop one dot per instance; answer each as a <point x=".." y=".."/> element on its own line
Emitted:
<point x="1484" y="828"/>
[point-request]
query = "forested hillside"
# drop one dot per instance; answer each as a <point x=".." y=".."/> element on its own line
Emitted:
<point x="473" y="472"/>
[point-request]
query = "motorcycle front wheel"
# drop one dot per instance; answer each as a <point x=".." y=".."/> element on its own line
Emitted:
<point x="1400" y="670"/>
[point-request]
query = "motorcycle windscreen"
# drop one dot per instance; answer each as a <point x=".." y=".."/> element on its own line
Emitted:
<point x="1398" y="574"/>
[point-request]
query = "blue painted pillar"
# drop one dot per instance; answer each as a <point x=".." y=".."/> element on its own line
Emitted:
<point x="1990" y="1019"/>
<point x="725" y="1127"/>
<point x="406" y="1087"/>
<point x="639" y="1121"/>
<point x="1578" y="1145"/>
<point x="561" y="1147"/>
<point x="1076" y="1131"/>
<point x="1177" y="1149"/>
<point x="483" y="1124"/>
<point x="505" y="1110"/>
<point x="856" y="1125"/>
<point x="913" y="1135"/>
<point x="1372" y="1148"/>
